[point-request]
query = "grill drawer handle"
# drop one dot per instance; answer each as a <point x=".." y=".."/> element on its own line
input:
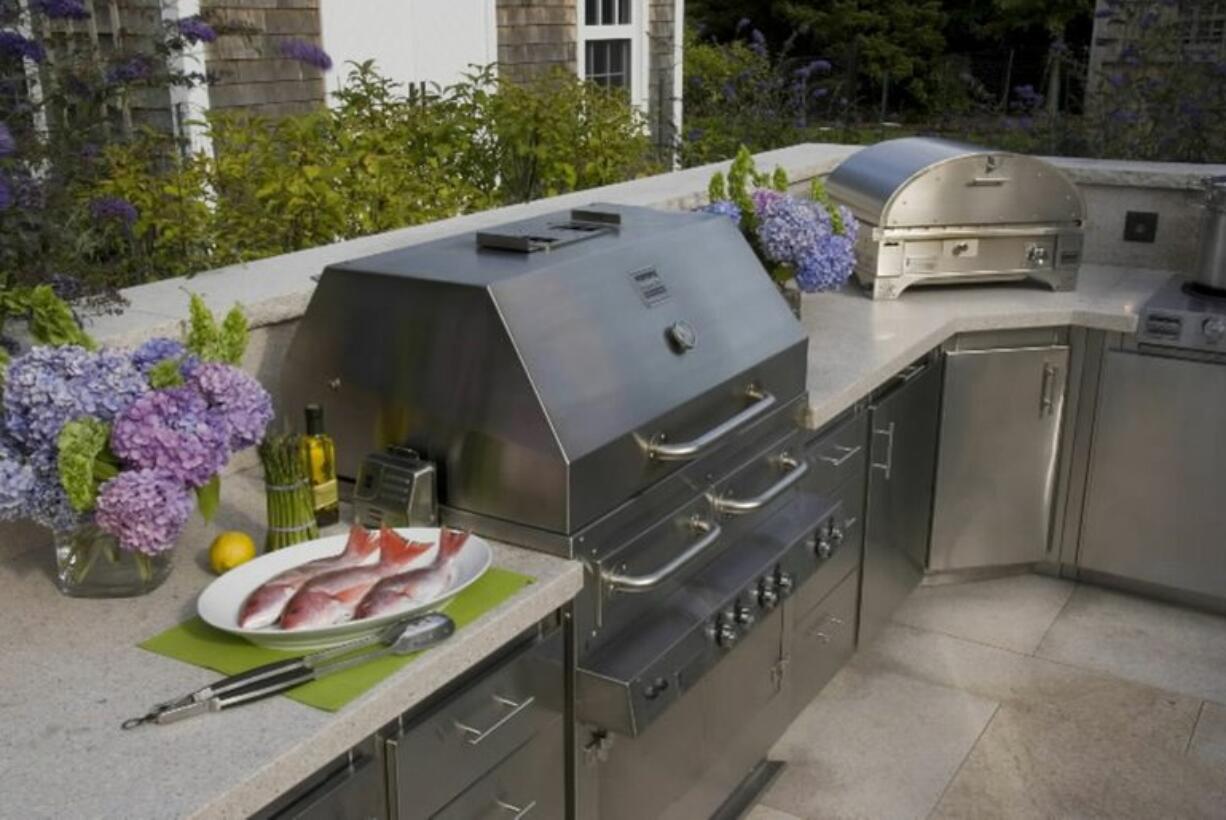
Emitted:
<point x="637" y="583"/>
<point x="686" y="450"/>
<point x="516" y="810"/>
<point x="796" y="470"/>
<point x="476" y="736"/>
<point x="847" y="453"/>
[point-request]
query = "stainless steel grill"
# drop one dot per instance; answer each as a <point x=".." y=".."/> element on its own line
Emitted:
<point x="940" y="212"/>
<point x="615" y="384"/>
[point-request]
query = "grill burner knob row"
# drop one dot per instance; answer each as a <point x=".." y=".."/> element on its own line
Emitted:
<point x="726" y="634"/>
<point x="742" y="615"/>
<point x="784" y="582"/>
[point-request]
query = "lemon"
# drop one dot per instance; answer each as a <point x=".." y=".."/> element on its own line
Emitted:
<point x="229" y="549"/>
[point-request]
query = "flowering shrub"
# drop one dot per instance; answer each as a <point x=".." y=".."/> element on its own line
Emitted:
<point x="810" y="241"/>
<point x="124" y="437"/>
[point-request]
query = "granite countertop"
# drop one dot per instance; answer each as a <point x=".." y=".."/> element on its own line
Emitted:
<point x="71" y="673"/>
<point x="856" y="344"/>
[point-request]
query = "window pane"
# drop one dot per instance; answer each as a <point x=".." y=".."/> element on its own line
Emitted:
<point x="608" y="62"/>
<point x="623" y="11"/>
<point x="591" y="12"/>
<point x="606" y="12"/>
<point x="617" y="60"/>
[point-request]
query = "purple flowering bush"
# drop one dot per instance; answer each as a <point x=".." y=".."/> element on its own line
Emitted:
<point x="809" y="241"/>
<point x="123" y="438"/>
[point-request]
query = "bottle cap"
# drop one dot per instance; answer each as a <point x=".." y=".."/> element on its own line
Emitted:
<point x="314" y="420"/>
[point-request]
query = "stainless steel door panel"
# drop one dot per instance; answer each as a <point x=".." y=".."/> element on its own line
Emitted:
<point x="356" y="792"/>
<point x="903" y="428"/>
<point x="452" y="745"/>
<point x="746" y="711"/>
<point x="822" y="640"/>
<point x="528" y="784"/>
<point x="1000" y="430"/>
<point x="646" y="776"/>
<point x="1155" y="507"/>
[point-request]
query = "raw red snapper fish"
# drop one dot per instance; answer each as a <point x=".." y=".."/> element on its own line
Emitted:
<point x="331" y="597"/>
<point x="423" y="584"/>
<point x="265" y="604"/>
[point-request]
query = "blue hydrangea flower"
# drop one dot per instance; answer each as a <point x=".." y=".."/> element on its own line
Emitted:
<point x="725" y="207"/>
<point x="195" y="30"/>
<point x="47" y="387"/>
<point x="7" y="144"/>
<point x="15" y="44"/>
<point x="6" y="195"/>
<point x="144" y="509"/>
<point x="129" y="71"/>
<point x="308" y="53"/>
<point x="62" y="9"/>
<point x="116" y="209"/>
<point x="159" y="349"/>
<point x="16" y="482"/>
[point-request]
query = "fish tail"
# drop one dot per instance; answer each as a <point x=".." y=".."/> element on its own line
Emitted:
<point x="396" y="550"/>
<point x="451" y="542"/>
<point x="362" y="542"/>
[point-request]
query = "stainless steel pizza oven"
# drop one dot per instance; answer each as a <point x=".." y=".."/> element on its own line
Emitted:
<point x="938" y="212"/>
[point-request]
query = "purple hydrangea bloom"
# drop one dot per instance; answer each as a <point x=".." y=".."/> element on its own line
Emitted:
<point x="144" y="509"/>
<point x="48" y="504"/>
<point x="62" y="9"/>
<point x="242" y="402"/>
<point x="49" y="386"/>
<point x="113" y="208"/>
<point x="160" y="349"/>
<point x="14" y="44"/>
<point x="827" y="265"/>
<point x="788" y="226"/>
<point x="308" y="53"/>
<point x="16" y="482"/>
<point x="725" y="207"/>
<point x="7" y="144"/>
<point x="174" y="431"/>
<point x="129" y="71"/>
<point x="195" y="30"/>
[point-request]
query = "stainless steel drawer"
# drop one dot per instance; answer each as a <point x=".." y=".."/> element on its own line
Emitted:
<point x="822" y="641"/>
<point x="526" y="784"/>
<point x="838" y="455"/>
<point x="440" y="754"/>
<point x="353" y="792"/>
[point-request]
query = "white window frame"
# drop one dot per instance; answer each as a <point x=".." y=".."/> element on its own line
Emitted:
<point x="635" y="31"/>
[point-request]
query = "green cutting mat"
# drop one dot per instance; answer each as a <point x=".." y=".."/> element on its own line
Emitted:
<point x="198" y="643"/>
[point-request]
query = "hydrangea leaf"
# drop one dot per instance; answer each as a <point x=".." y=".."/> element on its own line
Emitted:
<point x="165" y="373"/>
<point x="208" y="498"/>
<point x="80" y="444"/>
<point x="52" y="321"/>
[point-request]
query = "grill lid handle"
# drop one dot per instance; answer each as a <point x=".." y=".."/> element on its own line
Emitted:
<point x="794" y="471"/>
<point x="640" y="583"/>
<point x="687" y="450"/>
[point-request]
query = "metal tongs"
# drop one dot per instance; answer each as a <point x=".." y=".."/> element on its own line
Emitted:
<point x="398" y="638"/>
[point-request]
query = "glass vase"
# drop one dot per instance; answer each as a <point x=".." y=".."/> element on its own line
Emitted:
<point x="90" y="564"/>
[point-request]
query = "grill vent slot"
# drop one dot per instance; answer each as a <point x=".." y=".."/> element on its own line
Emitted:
<point x="581" y="226"/>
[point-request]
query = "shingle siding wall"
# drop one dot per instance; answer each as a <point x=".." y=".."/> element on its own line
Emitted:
<point x="536" y="36"/>
<point x="251" y="73"/>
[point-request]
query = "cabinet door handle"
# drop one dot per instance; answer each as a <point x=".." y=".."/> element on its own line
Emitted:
<point x="516" y="810"/>
<point x="1047" y="400"/>
<point x="847" y="453"/>
<point x="476" y="736"/>
<point x="888" y="432"/>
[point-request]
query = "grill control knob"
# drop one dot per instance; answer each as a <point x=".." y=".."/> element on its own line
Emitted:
<point x="743" y="615"/>
<point x="836" y="534"/>
<point x="726" y="635"/>
<point x="784" y="582"/>
<point x="1214" y="329"/>
<point x="768" y="598"/>
<point x="652" y="690"/>
<point x="681" y="336"/>
<point x="825" y="548"/>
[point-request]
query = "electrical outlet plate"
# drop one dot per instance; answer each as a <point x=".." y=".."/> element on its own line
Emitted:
<point x="1140" y="226"/>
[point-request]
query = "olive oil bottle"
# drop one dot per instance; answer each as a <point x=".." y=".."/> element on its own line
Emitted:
<point x="319" y="457"/>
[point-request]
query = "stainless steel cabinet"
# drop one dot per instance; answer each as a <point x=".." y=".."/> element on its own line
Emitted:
<point x="902" y="457"/>
<point x="1000" y="430"/>
<point x="1155" y="510"/>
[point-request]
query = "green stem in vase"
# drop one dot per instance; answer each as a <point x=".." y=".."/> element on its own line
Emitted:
<point x="84" y="553"/>
<point x="144" y="566"/>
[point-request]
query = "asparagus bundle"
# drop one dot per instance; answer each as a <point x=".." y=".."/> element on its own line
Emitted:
<point x="291" y="515"/>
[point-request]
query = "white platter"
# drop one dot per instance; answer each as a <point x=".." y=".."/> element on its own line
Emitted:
<point x="219" y="604"/>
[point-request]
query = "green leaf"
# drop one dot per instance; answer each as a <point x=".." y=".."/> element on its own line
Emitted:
<point x="233" y="341"/>
<point x="203" y="336"/>
<point x="165" y="373"/>
<point x="80" y="444"/>
<point x="208" y="498"/>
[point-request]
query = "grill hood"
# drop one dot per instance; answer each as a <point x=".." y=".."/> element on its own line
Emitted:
<point x="539" y="364"/>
